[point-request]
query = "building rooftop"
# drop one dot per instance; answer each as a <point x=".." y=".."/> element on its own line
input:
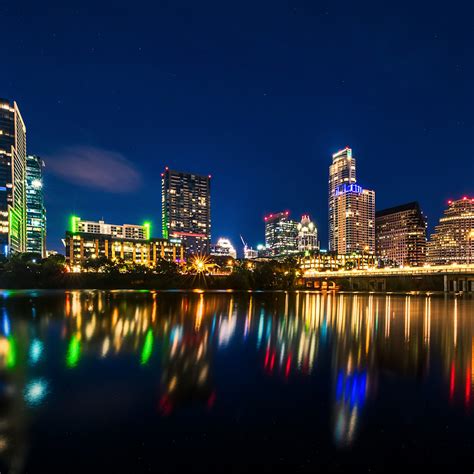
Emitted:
<point x="403" y="207"/>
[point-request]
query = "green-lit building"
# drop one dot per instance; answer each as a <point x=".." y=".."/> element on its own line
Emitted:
<point x="12" y="179"/>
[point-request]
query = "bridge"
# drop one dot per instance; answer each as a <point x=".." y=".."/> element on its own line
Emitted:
<point x="448" y="278"/>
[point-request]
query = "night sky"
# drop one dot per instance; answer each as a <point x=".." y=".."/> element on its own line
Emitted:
<point x="258" y="94"/>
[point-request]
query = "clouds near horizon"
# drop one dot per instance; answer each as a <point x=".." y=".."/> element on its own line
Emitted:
<point x="95" y="168"/>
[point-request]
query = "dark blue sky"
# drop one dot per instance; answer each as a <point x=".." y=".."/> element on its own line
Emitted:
<point x="259" y="94"/>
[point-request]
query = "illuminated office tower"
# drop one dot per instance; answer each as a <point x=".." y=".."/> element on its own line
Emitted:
<point x="281" y="234"/>
<point x="186" y="209"/>
<point x="307" y="235"/>
<point x="35" y="211"/>
<point x="453" y="238"/>
<point x="351" y="208"/>
<point x="12" y="179"/>
<point x="400" y="234"/>
<point x="342" y="170"/>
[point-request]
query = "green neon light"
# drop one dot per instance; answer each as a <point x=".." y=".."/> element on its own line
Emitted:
<point x="147" y="226"/>
<point x="12" y="353"/>
<point x="73" y="352"/>
<point x="164" y="224"/>
<point x="73" y="220"/>
<point x="147" y="347"/>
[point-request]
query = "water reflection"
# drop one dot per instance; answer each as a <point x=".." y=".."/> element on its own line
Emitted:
<point x="183" y="335"/>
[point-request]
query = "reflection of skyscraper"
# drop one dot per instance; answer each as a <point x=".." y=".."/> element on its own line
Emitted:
<point x="12" y="179"/>
<point x="186" y="209"/>
<point x="351" y="208"/>
<point x="186" y="377"/>
<point x="35" y="211"/>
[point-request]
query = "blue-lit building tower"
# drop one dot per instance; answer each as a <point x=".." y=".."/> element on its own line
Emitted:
<point x="351" y="208"/>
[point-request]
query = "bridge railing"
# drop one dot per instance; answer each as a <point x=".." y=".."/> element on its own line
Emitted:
<point x="375" y="272"/>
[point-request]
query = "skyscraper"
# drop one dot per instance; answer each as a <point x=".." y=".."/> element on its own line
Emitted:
<point x="281" y="234"/>
<point x="351" y="208"/>
<point x="35" y="210"/>
<point x="453" y="238"/>
<point x="186" y="209"/>
<point x="223" y="248"/>
<point x="307" y="235"/>
<point x="12" y="179"/>
<point x="400" y="234"/>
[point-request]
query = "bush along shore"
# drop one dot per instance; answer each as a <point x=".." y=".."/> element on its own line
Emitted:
<point x="22" y="271"/>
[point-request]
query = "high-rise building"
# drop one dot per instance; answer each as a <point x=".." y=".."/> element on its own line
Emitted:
<point x="223" y="248"/>
<point x="453" y="238"/>
<point x="281" y="234"/>
<point x="307" y="235"/>
<point x="35" y="210"/>
<point x="351" y="208"/>
<point x="12" y="179"/>
<point x="400" y="234"/>
<point x="186" y="209"/>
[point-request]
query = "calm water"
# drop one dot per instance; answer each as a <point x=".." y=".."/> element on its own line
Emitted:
<point x="228" y="382"/>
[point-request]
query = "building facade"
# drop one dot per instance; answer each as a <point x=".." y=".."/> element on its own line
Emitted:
<point x="84" y="245"/>
<point x="307" y="235"/>
<point x="12" y="179"/>
<point x="453" y="238"/>
<point x="331" y="261"/>
<point x="223" y="248"/>
<point x="281" y="235"/>
<point x="400" y="234"/>
<point x="250" y="253"/>
<point x="351" y="208"/>
<point x="35" y="210"/>
<point x="186" y="209"/>
<point x="124" y="231"/>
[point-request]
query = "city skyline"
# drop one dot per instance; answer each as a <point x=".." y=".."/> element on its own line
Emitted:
<point x="264" y="129"/>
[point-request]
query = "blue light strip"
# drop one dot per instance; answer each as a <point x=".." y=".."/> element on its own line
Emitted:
<point x="348" y="188"/>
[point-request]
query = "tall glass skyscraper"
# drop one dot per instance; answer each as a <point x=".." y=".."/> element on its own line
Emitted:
<point x="186" y="209"/>
<point x="12" y="179"/>
<point x="351" y="208"/>
<point x="281" y="234"/>
<point x="35" y="210"/>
